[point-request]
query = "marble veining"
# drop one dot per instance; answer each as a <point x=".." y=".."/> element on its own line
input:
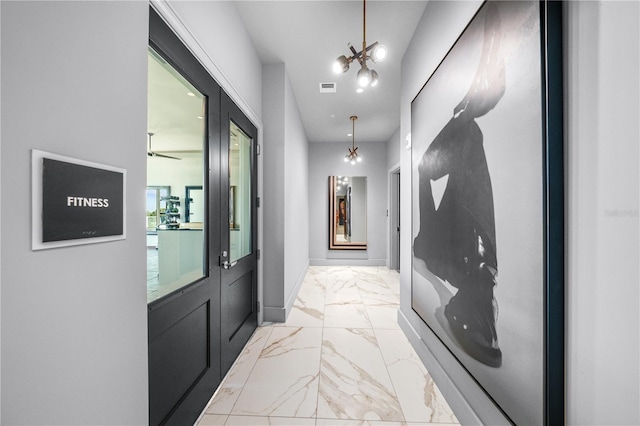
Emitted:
<point x="227" y="394"/>
<point x="353" y="377"/>
<point x="340" y="359"/>
<point x="284" y="380"/>
<point x="311" y="303"/>
<point x="418" y="394"/>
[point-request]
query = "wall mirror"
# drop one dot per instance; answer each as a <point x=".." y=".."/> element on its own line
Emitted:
<point x="347" y="213"/>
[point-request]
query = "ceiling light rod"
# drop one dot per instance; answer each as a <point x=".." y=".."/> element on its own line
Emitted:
<point x="352" y="156"/>
<point x="364" y="34"/>
<point x="366" y="76"/>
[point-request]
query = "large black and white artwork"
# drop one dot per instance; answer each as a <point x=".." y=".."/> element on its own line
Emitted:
<point x="477" y="205"/>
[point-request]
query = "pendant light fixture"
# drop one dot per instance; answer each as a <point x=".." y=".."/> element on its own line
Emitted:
<point x="352" y="157"/>
<point x="376" y="52"/>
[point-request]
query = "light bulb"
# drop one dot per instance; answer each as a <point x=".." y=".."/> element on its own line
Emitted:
<point x="379" y="53"/>
<point x="341" y="64"/>
<point x="346" y="158"/>
<point x="364" y="76"/>
<point x="353" y="161"/>
<point x="359" y="159"/>
<point x="374" y="78"/>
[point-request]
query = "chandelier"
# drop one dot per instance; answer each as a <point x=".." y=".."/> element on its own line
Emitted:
<point x="376" y="52"/>
<point x="352" y="156"/>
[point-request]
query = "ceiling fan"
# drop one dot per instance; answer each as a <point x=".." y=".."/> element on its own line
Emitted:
<point x="152" y="153"/>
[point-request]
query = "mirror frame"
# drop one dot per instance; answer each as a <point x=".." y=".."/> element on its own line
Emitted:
<point x="333" y="244"/>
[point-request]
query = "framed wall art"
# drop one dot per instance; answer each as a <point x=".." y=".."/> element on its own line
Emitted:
<point x="488" y="206"/>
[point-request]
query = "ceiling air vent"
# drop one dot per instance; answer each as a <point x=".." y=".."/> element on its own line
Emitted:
<point x="327" y="88"/>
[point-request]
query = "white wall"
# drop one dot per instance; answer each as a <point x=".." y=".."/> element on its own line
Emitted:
<point x="394" y="145"/>
<point x="74" y="320"/>
<point x="603" y="326"/>
<point x="296" y="198"/>
<point x="327" y="159"/>
<point x="285" y="202"/>
<point x="602" y="323"/>
<point x="274" y="194"/>
<point x="215" y="33"/>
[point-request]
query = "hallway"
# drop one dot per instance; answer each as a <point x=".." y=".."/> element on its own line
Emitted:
<point x="340" y="359"/>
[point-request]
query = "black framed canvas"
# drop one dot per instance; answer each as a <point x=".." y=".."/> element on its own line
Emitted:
<point x="488" y="206"/>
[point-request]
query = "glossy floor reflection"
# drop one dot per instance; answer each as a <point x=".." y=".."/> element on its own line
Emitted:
<point x="340" y="359"/>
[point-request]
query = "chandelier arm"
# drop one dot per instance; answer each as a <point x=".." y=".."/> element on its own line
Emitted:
<point x="358" y="56"/>
<point x="374" y="44"/>
<point x="364" y="32"/>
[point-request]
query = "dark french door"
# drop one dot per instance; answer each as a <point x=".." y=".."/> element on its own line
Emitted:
<point x="205" y="308"/>
<point x="239" y="238"/>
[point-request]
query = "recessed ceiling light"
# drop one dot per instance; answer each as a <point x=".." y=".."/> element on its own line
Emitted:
<point x="349" y="134"/>
<point x="359" y="90"/>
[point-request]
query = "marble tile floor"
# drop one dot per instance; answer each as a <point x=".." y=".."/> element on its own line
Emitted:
<point x="340" y="359"/>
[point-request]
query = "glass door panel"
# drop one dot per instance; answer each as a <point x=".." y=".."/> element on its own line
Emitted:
<point x="240" y="190"/>
<point x="175" y="161"/>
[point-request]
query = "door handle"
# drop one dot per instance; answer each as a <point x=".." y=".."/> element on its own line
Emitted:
<point x="228" y="265"/>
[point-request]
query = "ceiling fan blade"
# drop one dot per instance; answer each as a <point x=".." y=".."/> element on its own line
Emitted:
<point x="155" y="154"/>
<point x="151" y="153"/>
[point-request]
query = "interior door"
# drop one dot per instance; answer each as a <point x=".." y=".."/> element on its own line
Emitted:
<point x="239" y="256"/>
<point x="184" y="307"/>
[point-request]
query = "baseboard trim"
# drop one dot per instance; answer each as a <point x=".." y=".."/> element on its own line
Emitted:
<point x="347" y="262"/>
<point x="469" y="402"/>
<point x="274" y="314"/>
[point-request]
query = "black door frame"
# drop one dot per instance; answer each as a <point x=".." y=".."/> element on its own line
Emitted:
<point x="199" y="300"/>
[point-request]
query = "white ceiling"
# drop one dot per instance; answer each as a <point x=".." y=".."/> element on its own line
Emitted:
<point x="307" y="36"/>
<point x="176" y="109"/>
